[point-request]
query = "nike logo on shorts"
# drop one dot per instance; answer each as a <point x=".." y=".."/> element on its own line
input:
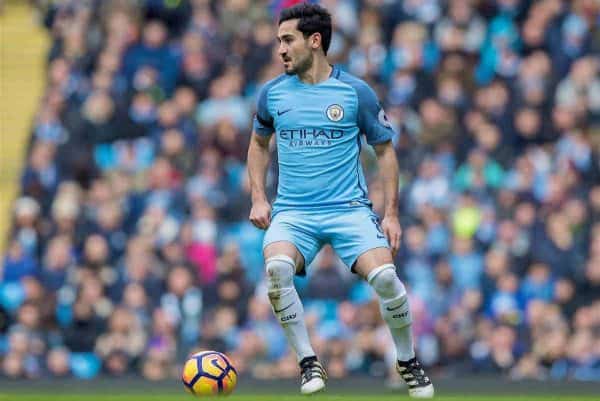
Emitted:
<point x="282" y="112"/>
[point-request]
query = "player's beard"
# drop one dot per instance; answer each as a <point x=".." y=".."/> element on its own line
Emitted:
<point x="303" y="65"/>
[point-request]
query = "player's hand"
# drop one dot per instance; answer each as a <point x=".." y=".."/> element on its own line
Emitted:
<point x="260" y="214"/>
<point x="392" y="231"/>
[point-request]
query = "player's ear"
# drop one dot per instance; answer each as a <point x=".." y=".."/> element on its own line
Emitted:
<point x="315" y="40"/>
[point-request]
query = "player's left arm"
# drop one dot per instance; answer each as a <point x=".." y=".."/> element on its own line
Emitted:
<point x="388" y="168"/>
<point x="374" y="124"/>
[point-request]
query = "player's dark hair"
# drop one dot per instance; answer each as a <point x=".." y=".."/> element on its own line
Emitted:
<point x="312" y="18"/>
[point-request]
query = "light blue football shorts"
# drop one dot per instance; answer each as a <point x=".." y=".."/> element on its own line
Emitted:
<point x="350" y="232"/>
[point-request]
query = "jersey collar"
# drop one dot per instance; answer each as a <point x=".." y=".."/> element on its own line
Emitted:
<point x="335" y="71"/>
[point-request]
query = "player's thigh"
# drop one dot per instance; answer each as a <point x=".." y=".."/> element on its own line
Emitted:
<point x="293" y="234"/>
<point x="372" y="259"/>
<point x="284" y="248"/>
<point x="355" y="234"/>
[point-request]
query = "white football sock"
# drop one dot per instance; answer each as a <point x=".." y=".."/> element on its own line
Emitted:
<point x="286" y="304"/>
<point x="393" y="304"/>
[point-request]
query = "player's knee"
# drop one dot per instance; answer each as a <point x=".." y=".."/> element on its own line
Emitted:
<point x="280" y="272"/>
<point x="386" y="283"/>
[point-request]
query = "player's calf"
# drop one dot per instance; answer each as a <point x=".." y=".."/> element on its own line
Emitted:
<point x="289" y="311"/>
<point x="394" y="307"/>
<point x="282" y="293"/>
<point x="395" y="310"/>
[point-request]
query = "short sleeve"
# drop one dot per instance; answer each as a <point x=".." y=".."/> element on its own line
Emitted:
<point x="263" y="122"/>
<point x="372" y="120"/>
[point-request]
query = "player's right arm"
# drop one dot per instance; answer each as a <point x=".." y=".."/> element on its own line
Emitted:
<point x="258" y="160"/>
<point x="258" y="163"/>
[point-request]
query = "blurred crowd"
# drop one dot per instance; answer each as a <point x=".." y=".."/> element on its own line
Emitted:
<point x="130" y="245"/>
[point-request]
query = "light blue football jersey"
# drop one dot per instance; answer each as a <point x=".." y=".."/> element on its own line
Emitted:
<point x="318" y="129"/>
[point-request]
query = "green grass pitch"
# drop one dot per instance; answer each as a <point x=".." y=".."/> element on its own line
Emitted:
<point x="352" y="389"/>
<point x="280" y="397"/>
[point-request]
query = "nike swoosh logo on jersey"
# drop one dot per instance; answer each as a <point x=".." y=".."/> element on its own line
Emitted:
<point x="396" y="307"/>
<point x="282" y="112"/>
<point x="281" y="310"/>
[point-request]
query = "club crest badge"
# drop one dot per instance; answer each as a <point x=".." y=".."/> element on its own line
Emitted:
<point x="383" y="120"/>
<point x="335" y="112"/>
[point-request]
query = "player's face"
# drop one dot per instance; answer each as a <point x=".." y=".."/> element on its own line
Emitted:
<point x="294" y="49"/>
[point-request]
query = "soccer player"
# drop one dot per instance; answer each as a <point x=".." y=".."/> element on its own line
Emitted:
<point x="318" y="114"/>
